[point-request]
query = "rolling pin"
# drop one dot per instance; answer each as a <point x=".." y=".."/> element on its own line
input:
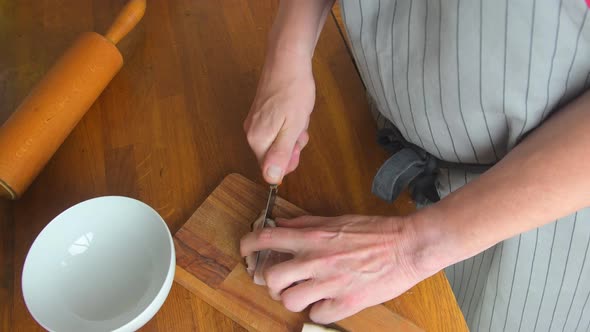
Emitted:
<point x="55" y="105"/>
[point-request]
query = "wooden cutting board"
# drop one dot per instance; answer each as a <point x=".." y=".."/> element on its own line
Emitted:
<point x="208" y="263"/>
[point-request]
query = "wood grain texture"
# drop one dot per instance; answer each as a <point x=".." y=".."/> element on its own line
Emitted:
<point x="209" y="253"/>
<point x="168" y="128"/>
<point x="6" y="265"/>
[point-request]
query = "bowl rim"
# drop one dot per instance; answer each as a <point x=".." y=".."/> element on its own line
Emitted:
<point x="156" y="301"/>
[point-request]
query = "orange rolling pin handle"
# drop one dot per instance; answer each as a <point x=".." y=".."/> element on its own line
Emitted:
<point x="128" y="18"/>
<point x="45" y="118"/>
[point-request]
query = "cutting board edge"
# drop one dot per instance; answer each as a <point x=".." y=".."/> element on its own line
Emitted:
<point x="186" y="280"/>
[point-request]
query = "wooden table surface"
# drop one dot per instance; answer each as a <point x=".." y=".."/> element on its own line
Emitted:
<point x="169" y="128"/>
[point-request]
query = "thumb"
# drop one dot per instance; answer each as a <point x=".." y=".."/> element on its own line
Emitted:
<point x="279" y="154"/>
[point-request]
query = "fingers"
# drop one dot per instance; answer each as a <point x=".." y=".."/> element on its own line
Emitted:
<point x="299" y="297"/>
<point x="279" y="155"/>
<point x="302" y="222"/>
<point x="274" y="238"/>
<point x="333" y="310"/>
<point x="285" y="274"/>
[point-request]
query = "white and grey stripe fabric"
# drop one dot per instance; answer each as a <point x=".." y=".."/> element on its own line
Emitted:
<point x="466" y="80"/>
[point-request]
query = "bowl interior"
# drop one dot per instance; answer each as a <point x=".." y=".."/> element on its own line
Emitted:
<point x="97" y="266"/>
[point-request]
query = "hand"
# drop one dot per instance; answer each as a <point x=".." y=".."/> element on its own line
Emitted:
<point x="276" y="126"/>
<point x="341" y="265"/>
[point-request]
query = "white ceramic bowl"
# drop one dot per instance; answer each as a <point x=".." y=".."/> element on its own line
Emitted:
<point x="106" y="264"/>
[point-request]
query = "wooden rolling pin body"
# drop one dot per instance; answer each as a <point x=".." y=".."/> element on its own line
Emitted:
<point x="45" y="118"/>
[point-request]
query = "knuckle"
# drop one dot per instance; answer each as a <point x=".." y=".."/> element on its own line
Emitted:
<point x="266" y="234"/>
<point x="256" y="117"/>
<point x="252" y="136"/>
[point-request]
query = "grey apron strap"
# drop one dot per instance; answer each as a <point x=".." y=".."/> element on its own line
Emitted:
<point x="410" y="167"/>
<point x="402" y="170"/>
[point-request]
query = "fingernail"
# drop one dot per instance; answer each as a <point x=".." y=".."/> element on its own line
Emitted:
<point x="274" y="172"/>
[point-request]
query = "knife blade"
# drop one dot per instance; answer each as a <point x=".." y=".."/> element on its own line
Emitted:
<point x="267" y="212"/>
<point x="270" y="203"/>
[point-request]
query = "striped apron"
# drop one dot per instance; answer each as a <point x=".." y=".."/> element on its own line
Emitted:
<point x="466" y="80"/>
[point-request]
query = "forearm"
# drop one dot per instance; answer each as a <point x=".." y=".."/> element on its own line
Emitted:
<point x="297" y="27"/>
<point x="542" y="179"/>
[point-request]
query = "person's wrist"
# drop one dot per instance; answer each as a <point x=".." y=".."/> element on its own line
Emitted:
<point x="407" y="246"/>
<point x="431" y="247"/>
<point x="288" y="56"/>
<point x="281" y="41"/>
